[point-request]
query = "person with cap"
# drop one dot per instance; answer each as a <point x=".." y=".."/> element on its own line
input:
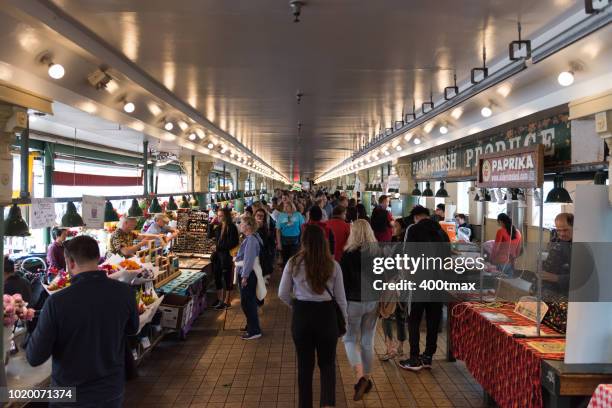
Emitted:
<point x="160" y="227"/>
<point x="122" y="240"/>
<point x="55" y="252"/>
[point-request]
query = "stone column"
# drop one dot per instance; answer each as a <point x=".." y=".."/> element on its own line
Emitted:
<point x="200" y="182"/>
<point x="242" y="177"/>
<point x="12" y="119"/>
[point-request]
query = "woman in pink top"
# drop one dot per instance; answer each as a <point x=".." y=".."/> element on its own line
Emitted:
<point x="508" y="245"/>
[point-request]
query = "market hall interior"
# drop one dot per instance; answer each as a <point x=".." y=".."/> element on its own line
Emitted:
<point x="192" y="193"/>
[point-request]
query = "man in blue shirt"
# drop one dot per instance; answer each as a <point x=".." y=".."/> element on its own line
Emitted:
<point x="245" y="262"/>
<point x="83" y="328"/>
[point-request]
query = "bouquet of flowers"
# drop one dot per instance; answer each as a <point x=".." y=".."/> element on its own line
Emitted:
<point x="15" y="309"/>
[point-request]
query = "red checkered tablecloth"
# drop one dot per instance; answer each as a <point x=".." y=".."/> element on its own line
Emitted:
<point x="506" y="367"/>
<point x="602" y="397"/>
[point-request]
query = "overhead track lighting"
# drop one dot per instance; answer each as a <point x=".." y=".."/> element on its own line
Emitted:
<point x="595" y="6"/>
<point x="428" y="106"/>
<point x="411" y="116"/>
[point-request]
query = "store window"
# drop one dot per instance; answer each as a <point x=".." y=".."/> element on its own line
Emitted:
<point x="497" y="206"/>
<point x="463" y="197"/>
<point x="550" y="209"/>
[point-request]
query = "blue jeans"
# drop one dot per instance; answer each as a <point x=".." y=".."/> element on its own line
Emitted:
<point x="248" y="303"/>
<point x="360" y="330"/>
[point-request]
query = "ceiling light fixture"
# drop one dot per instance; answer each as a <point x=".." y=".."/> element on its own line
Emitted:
<point x="55" y="71"/>
<point x="566" y="78"/>
<point x="443" y="130"/>
<point x="398" y="148"/>
<point x="416" y="141"/>
<point x="192" y="136"/>
<point x="296" y="9"/>
<point x="169" y="126"/>
<point x="486" y="111"/>
<point x="129" y="107"/>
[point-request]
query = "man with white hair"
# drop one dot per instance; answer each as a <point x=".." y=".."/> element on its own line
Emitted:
<point x="160" y="227"/>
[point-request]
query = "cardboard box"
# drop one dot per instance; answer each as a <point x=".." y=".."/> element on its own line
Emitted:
<point x="176" y="311"/>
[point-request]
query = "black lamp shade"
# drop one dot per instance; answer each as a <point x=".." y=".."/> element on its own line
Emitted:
<point x="15" y="225"/>
<point x="155" y="208"/>
<point x="135" y="211"/>
<point x="558" y="194"/>
<point x="487" y="195"/>
<point x="171" y="206"/>
<point x="441" y="193"/>
<point x="427" y="192"/>
<point x="184" y="202"/>
<point x="72" y="217"/>
<point x="110" y="215"/>
<point x="600" y="178"/>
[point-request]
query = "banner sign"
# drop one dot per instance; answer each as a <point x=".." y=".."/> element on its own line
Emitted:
<point x="42" y="213"/>
<point x="93" y="211"/>
<point x="461" y="161"/>
<point x="520" y="168"/>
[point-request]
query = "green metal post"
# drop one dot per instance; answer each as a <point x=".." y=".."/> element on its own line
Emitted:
<point x="192" y="174"/>
<point x="48" y="182"/>
<point x="145" y="167"/>
<point x="24" y="157"/>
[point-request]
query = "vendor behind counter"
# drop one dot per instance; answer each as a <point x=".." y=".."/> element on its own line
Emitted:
<point x="123" y="240"/>
<point x="556" y="267"/>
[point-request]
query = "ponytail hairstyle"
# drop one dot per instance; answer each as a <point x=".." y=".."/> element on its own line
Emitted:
<point x="316" y="257"/>
<point x="507" y="222"/>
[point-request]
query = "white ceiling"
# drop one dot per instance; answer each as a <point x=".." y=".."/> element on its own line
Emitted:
<point x="358" y="63"/>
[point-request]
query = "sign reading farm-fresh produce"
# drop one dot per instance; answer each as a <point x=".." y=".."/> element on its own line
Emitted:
<point x="461" y="161"/>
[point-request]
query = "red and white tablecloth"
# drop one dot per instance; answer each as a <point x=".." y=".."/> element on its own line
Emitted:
<point x="506" y="367"/>
<point x="602" y="397"/>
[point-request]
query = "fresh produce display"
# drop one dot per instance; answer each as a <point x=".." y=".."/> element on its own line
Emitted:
<point x="109" y="269"/>
<point x="15" y="308"/>
<point x="61" y="281"/>
<point x="130" y="265"/>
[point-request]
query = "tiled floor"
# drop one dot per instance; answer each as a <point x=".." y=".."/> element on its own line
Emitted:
<point x="215" y="368"/>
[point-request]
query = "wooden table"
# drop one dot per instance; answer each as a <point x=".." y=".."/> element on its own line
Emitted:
<point x="571" y="385"/>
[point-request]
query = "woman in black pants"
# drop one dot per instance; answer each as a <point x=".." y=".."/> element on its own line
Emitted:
<point x="313" y="277"/>
<point x="226" y="237"/>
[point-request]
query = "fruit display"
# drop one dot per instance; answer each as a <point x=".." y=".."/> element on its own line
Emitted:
<point x="61" y="281"/>
<point x="129" y="265"/>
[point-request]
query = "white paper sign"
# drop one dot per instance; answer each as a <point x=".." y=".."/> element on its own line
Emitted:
<point x="42" y="213"/>
<point x="357" y="184"/>
<point x="93" y="211"/>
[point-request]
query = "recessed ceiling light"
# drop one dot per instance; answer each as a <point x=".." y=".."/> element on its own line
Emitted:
<point x="416" y="141"/>
<point x="486" y="111"/>
<point x="192" y="136"/>
<point x="56" y="71"/>
<point x="129" y="107"/>
<point x="169" y="126"/>
<point x="443" y="129"/>
<point x="566" y="78"/>
<point x="398" y="148"/>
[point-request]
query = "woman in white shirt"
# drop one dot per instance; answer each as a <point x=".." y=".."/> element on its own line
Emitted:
<point x="313" y="277"/>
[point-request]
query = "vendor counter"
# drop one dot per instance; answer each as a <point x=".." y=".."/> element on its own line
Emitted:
<point x="515" y="371"/>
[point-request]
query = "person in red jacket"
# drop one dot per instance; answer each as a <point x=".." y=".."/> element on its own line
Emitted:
<point x="340" y="230"/>
<point x="381" y="220"/>
<point x="315" y="214"/>
<point x="507" y="247"/>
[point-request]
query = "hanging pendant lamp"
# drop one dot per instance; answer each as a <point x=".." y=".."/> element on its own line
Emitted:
<point x="155" y="208"/>
<point x="184" y="202"/>
<point x="558" y="194"/>
<point x="72" y="217"/>
<point x="416" y="192"/>
<point x="442" y="193"/>
<point x="110" y="215"/>
<point x="135" y="211"/>
<point x="171" y="206"/>
<point x="427" y="192"/>
<point x="14" y="224"/>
